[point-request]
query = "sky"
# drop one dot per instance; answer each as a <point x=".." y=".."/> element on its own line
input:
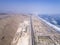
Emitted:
<point x="30" y="6"/>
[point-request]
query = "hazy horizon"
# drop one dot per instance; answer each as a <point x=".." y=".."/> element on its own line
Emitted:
<point x="30" y="6"/>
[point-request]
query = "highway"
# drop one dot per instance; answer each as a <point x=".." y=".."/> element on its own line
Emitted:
<point x="27" y="30"/>
<point x="31" y="32"/>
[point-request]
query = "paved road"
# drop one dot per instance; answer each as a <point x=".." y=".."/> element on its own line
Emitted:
<point x="36" y="31"/>
<point x="32" y="32"/>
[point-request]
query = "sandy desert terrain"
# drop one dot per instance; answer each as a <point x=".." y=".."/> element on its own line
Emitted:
<point x="26" y="30"/>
